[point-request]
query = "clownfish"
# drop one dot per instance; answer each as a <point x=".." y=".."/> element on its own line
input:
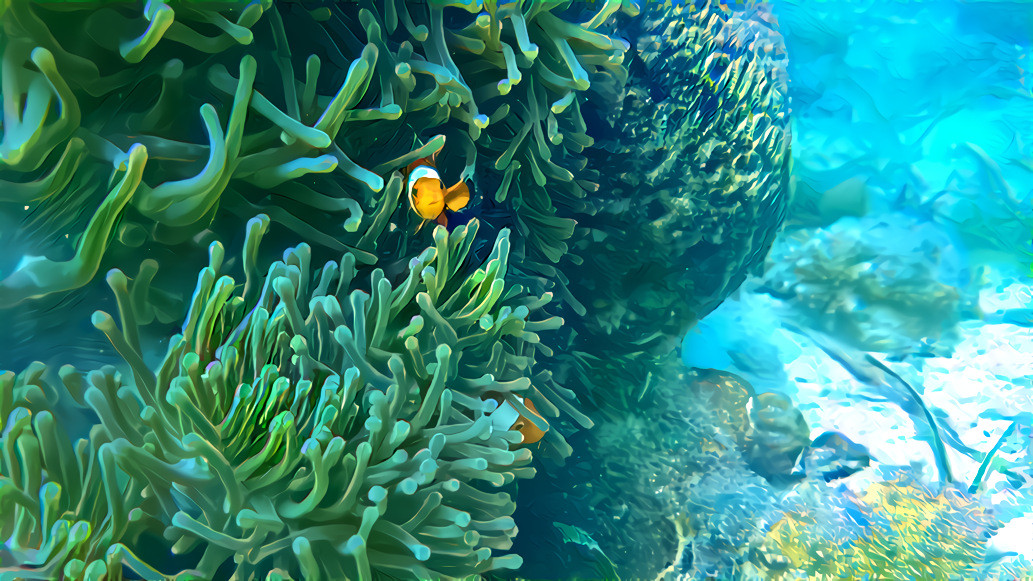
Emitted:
<point x="506" y="417"/>
<point x="427" y="194"/>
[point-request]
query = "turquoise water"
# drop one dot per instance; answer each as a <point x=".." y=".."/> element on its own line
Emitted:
<point x="912" y="150"/>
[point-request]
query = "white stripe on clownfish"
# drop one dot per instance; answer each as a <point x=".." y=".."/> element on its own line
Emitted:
<point x="423" y="171"/>
<point x="506" y="417"/>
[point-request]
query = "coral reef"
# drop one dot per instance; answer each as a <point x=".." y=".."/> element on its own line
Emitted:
<point x="896" y="529"/>
<point x="690" y="451"/>
<point x="892" y="285"/>
<point x="778" y="436"/>
<point x="697" y="144"/>
<point x="691" y="156"/>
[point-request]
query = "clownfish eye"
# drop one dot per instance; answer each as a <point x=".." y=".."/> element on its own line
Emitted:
<point x="518" y="426"/>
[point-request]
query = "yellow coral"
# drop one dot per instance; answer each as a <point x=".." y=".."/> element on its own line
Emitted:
<point x="910" y="533"/>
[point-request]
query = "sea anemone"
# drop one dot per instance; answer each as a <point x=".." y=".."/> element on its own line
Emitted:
<point x="299" y="426"/>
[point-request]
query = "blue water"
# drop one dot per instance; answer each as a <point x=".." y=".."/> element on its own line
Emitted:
<point x="912" y="139"/>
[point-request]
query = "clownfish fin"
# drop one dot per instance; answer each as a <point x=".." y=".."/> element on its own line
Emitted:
<point x="420" y="227"/>
<point x="442" y="219"/>
<point x="457" y="197"/>
<point x="422" y="161"/>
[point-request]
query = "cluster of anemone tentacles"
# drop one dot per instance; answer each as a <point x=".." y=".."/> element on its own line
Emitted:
<point x="148" y="131"/>
<point x="325" y="423"/>
<point x="298" y="427"/>
<point x="410" y="71"/>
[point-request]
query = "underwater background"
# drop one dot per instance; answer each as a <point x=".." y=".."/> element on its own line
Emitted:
<point x="739" y="290"/>
<point x="909" y="239"/>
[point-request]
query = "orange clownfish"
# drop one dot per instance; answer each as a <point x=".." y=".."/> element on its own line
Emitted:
<point x="506" y="417"/>
<point x="427" y="194"/>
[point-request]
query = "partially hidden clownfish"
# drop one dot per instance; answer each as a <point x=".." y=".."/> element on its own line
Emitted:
<point x="428" y="196"/>
<point x="506" y="417"/>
